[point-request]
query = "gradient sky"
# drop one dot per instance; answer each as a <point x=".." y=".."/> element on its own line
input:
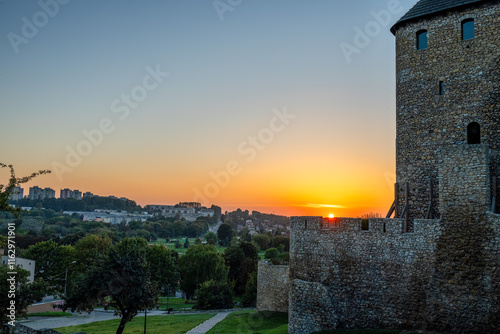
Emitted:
<point x="231" y="71"/>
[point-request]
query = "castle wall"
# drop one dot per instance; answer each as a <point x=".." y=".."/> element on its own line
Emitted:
<point x="427" y="120"/>
<point x="272" y="287"/>
<point x="464" y="180"/>
<point x="345" y="277"/>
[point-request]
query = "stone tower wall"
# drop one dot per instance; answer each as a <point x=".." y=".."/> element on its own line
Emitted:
<point x="426" y="120"/>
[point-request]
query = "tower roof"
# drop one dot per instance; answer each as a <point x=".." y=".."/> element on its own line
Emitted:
<point x="431" y="7"/>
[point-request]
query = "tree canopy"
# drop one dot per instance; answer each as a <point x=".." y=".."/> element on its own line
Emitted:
<point x="200" y="264"/>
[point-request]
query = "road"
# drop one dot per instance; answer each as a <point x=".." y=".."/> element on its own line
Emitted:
<point x="216" y="227"/>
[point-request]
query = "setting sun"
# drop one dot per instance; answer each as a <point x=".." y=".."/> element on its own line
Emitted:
<point x="331" y="215"/>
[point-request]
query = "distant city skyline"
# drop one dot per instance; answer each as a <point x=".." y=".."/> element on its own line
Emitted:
<point x="285" y="108"/>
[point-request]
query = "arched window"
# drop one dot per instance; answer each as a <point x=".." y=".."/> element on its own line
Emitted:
<point x="473" y="133"/>
<point x="422" y="40"/>
<point x="467" y="29"/>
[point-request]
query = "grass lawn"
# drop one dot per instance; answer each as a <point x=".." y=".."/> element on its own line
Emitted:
<point x="252" y="322"/>
<point x="50" y="314"/>
<point x="159" y="324"/>
<point x="178" y="304"/>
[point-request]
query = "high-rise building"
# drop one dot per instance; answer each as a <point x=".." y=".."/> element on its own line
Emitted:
<point x="68" y="193"/>
<point x="37" y="193"/>
<point x="17" y="194"/>
<point x="65" y="193"/>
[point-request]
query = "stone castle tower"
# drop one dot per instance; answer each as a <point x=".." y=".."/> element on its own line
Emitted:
<point x="448" y="93"/>
<point x="435" y="265"/>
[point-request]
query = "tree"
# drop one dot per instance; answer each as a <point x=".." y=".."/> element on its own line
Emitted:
<point x="91" y="252"/>
<point x="234" y="257"/>
<point x="261" y="240"/>
<point x="51" y="261"/>
<point x="7" y="190"/>
<point x="240" y="266"/>
<point x="250" y="296"/>
<point x="283" y="241"/>
<point x="211" y="238"/>
<point x="198" y="265"/>
<point x="225" y="234"/>
<point x="19" y="291"/>
<point x="214" y="295"/>
<point x="125" y="280"/>
<point x="272" y="253"/>
<point x="250" y="250"/>
<point x="163" y="269"/>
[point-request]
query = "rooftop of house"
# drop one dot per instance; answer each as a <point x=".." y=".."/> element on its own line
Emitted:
<point x="425" y="8"/>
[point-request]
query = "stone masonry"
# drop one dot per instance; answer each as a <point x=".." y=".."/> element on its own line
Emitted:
<point x="427" y="121"/>
<point x="442" y="276"/>
<point x="436" y="265"/>
<point x="272" y="287"/>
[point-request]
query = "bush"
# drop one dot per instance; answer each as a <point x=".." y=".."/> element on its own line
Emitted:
<point x="214" y="295"/>
<point x="250" y="296"/>
<point x="272" y="253"/>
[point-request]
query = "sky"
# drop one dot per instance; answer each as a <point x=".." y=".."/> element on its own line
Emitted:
<point x="267" y="105"/>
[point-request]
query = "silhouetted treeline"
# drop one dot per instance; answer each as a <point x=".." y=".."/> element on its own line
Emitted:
<point x="85" y="204"/>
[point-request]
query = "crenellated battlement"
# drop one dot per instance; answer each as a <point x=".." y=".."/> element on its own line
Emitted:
<point x="371" y="226"/>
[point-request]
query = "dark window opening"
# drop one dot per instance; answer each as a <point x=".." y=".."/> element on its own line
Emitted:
<point x="441" y="88"/>
<point x="473" y="133"/>
<point x="305" y="224"/>
<point x="385" y="228"/>
<point x="467" y="29"/>
<point x="422" y="40"/>
<point x="365" y="225"/>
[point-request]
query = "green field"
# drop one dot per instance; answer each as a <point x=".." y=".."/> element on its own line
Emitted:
<point x="252" y="322"/>
<point x="161" y="324"/>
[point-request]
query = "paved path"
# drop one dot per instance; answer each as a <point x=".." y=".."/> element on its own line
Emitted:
<point x="207" y="325"/>
<point x="85" y="318"/>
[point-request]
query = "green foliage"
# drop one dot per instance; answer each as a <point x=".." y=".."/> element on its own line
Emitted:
<point x="211" y="238"/>
<point x="214" y="295"/>
<point x="281" y="242"/>
<point x="84" y="204"/>
<point x="272" y="253"/>
<point x="24" y="293"/>
<point x="7" y="190"/>
<point x="91" y="252"/>
<point x="250" y="296"/>
<point x="186" y="243"/>
<point x="240" y="266"/>
<point x="234" y="257"/>
<point x="125" y="280"/>
<point x="250" y="250"/>
<point x="261" y="240"/>
<point x="163" y="269"/>
<point x="200" y="264"/>
<point x="196" y="229"/>
<point x="51" y="262"/>
<point x="225" y="234"/>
